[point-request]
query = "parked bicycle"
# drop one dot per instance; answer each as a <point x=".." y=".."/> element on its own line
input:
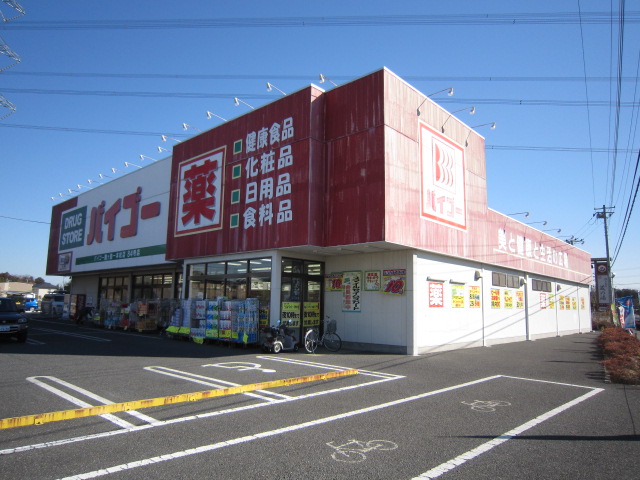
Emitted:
<point x="329" y="339"/>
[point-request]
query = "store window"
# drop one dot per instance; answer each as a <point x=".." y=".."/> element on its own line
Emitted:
<point x="541" y="285"/>
<point x="301" y="293"/>
<point x="114" y="289"/>
<point x="505" y="280"/>
<point x="153" y="287"/>
<point x="234" y="279"/>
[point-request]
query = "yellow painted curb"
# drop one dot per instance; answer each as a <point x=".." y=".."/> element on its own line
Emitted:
<point x="41" y="418"/>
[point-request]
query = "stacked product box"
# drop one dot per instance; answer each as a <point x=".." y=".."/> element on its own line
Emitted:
<point x="211" y="319"/>
<point x="198" y="320"/>
<point x="251" y="321"/>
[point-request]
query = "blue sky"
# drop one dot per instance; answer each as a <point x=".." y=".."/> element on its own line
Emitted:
<point x="99" y="82"/>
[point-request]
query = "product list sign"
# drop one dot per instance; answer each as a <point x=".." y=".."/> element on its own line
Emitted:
<point x="247" y="190"/>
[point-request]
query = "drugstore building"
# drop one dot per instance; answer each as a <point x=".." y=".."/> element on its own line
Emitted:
<point x="366" y="203"/>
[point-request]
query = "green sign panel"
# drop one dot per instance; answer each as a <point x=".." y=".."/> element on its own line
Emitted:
<point x="122" y="254"/>
<point x="72" y="229"/>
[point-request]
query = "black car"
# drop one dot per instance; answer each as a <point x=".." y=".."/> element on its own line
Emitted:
<point x="12" y="322"/>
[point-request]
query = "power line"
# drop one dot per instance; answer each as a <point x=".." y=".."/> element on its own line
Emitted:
<point x="477" y="19"/>
<point x="279" y="76"/>
<point x="24" y="220"/>
<point x="183" y="135"/>
<point x="260" y="96"/>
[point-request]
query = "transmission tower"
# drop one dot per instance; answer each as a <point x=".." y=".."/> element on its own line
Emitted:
<point x="6" y="50"/>
<point x="16" y="6"/>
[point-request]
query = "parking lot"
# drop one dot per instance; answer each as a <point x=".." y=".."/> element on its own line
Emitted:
<point x="452" y="415"/>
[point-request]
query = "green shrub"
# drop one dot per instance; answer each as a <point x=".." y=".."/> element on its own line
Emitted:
<point x="622" y="355"/>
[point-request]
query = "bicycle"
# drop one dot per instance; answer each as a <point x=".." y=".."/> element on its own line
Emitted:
<point x="354" y="450"/>
<point x="329" y="339"/>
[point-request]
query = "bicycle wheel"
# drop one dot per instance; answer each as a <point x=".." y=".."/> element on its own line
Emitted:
<point x="332" y="342"/>
<point x="311" y="341"/>
<point x="381" y="445"/>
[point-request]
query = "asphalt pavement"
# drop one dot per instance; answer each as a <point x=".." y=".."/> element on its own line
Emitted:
<point x="540" y="409"/>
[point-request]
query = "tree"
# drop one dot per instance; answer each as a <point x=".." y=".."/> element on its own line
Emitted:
<point x="628" y="292"/>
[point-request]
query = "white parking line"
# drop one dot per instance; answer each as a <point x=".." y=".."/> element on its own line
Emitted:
<point x="213" y="382"/>
<point x="269" y="433"/>
<point x="80" y="403"/>
<point x="188" y="418"/>
<point x="447" y="466"/>
<point x="71" y="334"/>
<point x="325" y="366"/>
<point x="485" y="447"/>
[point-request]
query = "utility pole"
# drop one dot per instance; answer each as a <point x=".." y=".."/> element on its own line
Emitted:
<point x="605" y="213"/>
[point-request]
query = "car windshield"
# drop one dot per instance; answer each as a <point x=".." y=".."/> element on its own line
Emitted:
<point x="7" y="305"/>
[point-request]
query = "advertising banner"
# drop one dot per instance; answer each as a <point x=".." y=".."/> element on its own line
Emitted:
<point x="495" y="298"/>
<point x="290" y="312"/>
<point x="474" y="296"/>
<point x="311" y="314"/>
<point x="519" y="299"/>
<point x="436" y="295"/>
<point x="457" y="296"/>
<point x="629" y="320"/>
<point x="333" y="282"/>
<point x="394" y="281"/>
<point x="508" y="299"/>
<point x="372" y="280"/>
<point x="351" y="291"/>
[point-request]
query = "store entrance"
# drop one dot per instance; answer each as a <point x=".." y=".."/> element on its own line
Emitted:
<point x="301" y="294"/>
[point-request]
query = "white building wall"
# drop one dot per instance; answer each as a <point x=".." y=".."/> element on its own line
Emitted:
<point x="86" y="285"/>
<point x="384" y="319"/>
<point x="446" y="327"/>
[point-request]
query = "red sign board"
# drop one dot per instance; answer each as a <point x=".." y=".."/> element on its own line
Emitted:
<point x="246" y="184"/>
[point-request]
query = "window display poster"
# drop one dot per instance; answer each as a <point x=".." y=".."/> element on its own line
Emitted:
<point x="290" y="311"/>
<point x="351" y="291"/>
<point x="552" y="302"/>
<point x="333" y="282"/>
<point x="372" y="280"/>
<point x="561" y="302"/>
<point x="519" y="299"/>
<point x="495" y="298"/>
<point x="394" y="281"/>
<point x="568" y="302"/>
<point x="582" y="303"/>
<point x="457" y="296"/>
<point x="474" y="296"/>
<point x="508" y="299"/>
<point x="311" y="314"/>
<point x="436" y="294"/>
<point x="543" y="301"/>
